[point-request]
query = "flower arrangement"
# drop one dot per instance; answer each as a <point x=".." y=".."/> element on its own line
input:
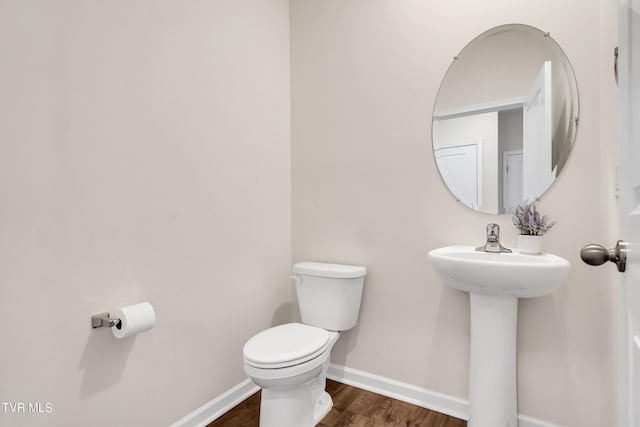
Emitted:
<point x="529" y="221"/>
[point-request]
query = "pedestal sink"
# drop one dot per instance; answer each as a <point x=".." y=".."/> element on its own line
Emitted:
<point x="495" y="281"/>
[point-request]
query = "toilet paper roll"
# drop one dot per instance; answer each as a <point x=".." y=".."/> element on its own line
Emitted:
<point x="133" y="320"/>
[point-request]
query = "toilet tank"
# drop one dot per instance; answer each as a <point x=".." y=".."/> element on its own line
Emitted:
<point x="329" y="295"/>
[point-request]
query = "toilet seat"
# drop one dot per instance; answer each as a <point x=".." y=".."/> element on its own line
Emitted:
<point x="285" y="345"/>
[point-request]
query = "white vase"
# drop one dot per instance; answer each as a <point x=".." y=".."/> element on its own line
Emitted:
<point x="531" y="245"/>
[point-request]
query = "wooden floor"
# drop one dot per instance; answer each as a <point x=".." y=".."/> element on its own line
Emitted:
<point x="351" y="407"/>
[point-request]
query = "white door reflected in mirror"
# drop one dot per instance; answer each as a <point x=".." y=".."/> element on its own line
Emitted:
<point x="461" y="170"/>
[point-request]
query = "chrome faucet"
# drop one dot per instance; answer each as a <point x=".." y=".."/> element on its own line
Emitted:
<point x="493" y="240"/>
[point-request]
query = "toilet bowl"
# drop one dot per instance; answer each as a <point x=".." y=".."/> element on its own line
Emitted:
<point x="292" y="373"/>
<point x="290" y="361"/>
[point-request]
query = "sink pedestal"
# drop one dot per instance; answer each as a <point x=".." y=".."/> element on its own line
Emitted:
<point x="492" y="371"/>
<point x="495" y="281"/>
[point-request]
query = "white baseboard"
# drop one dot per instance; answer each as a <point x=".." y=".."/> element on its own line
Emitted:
<point x="450" y="405"/>
<point x="524" y="421"/>
<point x="219" y="406"/>
<point x="419" y="396"/>
<point x="439" y="402"/>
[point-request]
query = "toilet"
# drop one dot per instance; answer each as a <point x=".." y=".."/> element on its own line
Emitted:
<point x="290" y="361"/>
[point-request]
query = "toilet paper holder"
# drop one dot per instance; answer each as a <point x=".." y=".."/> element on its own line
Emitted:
<point x="104" y="320"/>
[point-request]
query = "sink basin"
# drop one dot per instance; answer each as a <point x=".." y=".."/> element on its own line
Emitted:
<point x="499" y="274"/>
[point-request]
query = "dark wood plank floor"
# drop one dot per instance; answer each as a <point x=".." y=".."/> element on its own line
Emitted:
<point x="352" y="407"/>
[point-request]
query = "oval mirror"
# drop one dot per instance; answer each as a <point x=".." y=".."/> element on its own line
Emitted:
<point x="505" y="118"/>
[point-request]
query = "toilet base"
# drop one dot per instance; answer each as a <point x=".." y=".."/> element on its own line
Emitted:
<point x="293" y="408"/>
<point x="322" y="407"/>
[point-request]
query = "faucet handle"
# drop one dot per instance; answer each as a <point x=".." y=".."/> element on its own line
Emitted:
<point x="493" y="240"/>
<point x="493" y="231"/>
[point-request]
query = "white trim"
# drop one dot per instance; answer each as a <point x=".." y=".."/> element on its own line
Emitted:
<point x="524" y="421"/>
<point x="443" y="403"/>
<point x="219" y="406"/>
<point x="453" y="406"/>
<point x="484" y="107"/>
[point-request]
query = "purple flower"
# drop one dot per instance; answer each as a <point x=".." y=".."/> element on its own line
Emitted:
<point x="529" y="221"/>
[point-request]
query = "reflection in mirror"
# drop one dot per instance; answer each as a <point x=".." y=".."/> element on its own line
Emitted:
<point x="505" y="118"/>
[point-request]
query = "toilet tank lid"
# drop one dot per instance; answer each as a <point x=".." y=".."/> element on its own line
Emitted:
<point x="329" y="270"/>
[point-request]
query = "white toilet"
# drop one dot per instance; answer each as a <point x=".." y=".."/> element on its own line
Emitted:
<point x="290" y="361"/>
